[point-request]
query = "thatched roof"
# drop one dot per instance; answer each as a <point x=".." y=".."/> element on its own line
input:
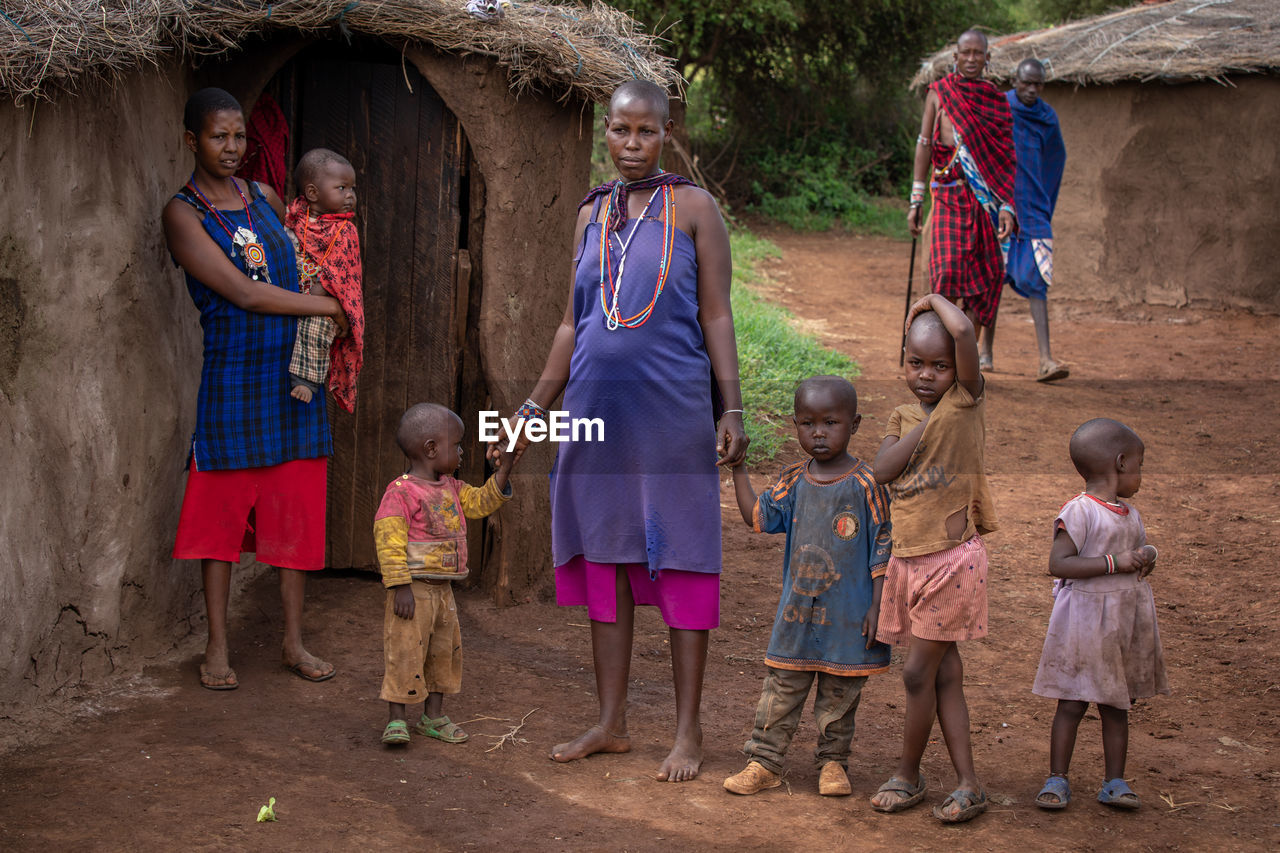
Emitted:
<point x="1175" y="41"/>
<point x="562" y="47"/>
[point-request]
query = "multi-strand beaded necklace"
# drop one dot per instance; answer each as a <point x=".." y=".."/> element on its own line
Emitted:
<point x="613" y="317"/>
<point x="310" y="267"/>
<point x="255" y="256"/>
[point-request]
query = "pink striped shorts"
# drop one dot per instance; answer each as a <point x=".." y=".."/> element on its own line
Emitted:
<point x="940" y="596"/>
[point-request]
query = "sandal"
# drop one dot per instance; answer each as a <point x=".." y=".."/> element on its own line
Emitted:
<point x="1117" y="793"/>
<point x="908" y="794"/>
<point x="1053" y="374"/>
<point x="396" y="732"/>
<point x="441" y="728"/>
<point x="1055" y="786"/>
<point x="971" y="805"/>
<point x="218" y="681"/>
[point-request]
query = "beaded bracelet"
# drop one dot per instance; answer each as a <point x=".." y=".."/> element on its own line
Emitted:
<point x="922" y="142"/>
<point x="1111" y="563"/>
<point x="530" y="410"/>
<point x="1006" y="207"/>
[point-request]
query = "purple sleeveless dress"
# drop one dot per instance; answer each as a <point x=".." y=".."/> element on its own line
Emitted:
<point x="649" y="493"/>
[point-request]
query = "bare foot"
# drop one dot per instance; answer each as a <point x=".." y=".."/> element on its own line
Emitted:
<point x="301" y="392"/>
<point x="593" y="740"/>
<point x="684" y="761"/>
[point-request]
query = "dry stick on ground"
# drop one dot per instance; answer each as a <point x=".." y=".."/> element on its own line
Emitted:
<point x="510" y="736"/>
<point x="1168" y="799"/>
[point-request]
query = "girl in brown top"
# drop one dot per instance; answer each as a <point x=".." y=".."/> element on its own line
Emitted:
<point x="935" y="591"/>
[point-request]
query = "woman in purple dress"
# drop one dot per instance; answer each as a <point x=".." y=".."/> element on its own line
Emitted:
<point x="645" y="346"/>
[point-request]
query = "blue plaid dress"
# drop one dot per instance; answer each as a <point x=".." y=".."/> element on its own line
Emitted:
<point x="245" y="417"/>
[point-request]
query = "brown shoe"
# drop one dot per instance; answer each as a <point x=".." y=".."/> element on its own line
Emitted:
<point x="834" y="781"/>
<point x="755" y="778"/>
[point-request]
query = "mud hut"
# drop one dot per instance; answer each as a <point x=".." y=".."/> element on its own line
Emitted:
<point x="1169" y="115"/>
<point x="471" y="141"/>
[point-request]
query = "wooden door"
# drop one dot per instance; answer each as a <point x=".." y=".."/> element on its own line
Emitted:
<point x="408" y="153"/>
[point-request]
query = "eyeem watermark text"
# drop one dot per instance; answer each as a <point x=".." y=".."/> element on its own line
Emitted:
<point x="557" y="427"/>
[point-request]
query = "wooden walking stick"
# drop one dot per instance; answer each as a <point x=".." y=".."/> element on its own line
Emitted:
<point x="911" y="274"/>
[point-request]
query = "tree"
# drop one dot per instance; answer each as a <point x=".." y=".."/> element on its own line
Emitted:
<point x="799" y="76"/>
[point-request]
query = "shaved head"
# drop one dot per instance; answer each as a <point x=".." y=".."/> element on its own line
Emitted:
<point x="974" y="34"/>
<point x="927" y="325"/>
<point x="1095" y="445"/>
<point x="422" y="423"/>
<point x="313" y="163"/>
<point x="1030" y="66"/>
<point x="646" y="92"/>
<point x="837" y="389"/>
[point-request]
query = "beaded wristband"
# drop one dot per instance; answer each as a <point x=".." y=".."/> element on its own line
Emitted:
<point x="530" y="410"/>
<point x="1111" y="563"/>
<point x="1007" y="207"/>
<point x="922" y="142"/>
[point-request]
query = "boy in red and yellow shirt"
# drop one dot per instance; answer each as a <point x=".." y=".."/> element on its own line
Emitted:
<point x="420" y="531"/>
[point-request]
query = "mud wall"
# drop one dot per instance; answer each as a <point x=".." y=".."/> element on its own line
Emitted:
<point x="99" y="361"/>
<point x="1169" y="194"/>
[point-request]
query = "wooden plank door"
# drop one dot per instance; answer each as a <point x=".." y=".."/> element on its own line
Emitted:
<point x="407" y="150"/>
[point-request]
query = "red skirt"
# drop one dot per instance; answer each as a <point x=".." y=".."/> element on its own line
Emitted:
<point x="276" y="513"/>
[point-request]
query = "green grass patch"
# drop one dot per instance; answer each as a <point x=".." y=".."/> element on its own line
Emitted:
<point x="773" y="355"/>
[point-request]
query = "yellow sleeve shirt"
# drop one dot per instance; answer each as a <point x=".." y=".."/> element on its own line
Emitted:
<point x="420" y="529"/>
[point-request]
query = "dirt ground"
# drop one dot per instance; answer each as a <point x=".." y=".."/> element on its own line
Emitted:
<point x="162" y="764"/>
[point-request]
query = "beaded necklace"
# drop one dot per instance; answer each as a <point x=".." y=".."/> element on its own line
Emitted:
<point x="311" y="268"/>
<point x="255" y="256"/>
<point x="613" y="318"/>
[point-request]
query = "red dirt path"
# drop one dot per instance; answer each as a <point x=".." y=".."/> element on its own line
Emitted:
<point x="162" y="764"/>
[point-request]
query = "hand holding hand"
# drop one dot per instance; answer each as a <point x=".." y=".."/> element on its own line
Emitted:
<point x="1128" y="562"/>
<point x="403" y="604"/>
<point x="1149" y="553"/>
<point x="731" y="440"/>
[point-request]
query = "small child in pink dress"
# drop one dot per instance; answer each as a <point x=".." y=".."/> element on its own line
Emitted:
<point x="1103" y="644"/>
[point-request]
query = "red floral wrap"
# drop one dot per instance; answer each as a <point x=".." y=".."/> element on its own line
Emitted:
<point x="330" y="241"/>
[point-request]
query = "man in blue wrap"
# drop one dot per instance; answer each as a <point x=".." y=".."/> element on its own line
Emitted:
<point x="1037" y="140"/>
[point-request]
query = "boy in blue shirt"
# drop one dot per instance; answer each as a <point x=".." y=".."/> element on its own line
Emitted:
<point x="838" y="540"/>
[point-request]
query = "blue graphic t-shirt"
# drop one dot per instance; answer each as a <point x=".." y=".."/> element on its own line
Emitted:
<point x="838" y="541"/>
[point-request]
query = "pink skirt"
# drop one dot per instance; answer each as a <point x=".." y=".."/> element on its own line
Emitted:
<point x="687" y="600"/>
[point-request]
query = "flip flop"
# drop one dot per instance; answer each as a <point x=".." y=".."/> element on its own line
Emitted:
<point x="1053" y="374"/>
<point x="212" y="681"/>
<point x="1117" y="794"/>
<point x="911" y="794"/>
<point x="441" y="728"/>
<point x="1054" y="786"/>
<point x="301" y="669"/>
<point x="971" y="805"/>
<point x="396" y="732"/>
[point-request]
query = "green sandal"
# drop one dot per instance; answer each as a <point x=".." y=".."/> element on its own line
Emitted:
<point x="396" y="733"/>
<point x="441" y="728"/>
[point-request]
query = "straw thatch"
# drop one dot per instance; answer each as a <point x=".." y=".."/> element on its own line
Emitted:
<point x="566" y="48"/>
<point x="1176" y="41"/>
